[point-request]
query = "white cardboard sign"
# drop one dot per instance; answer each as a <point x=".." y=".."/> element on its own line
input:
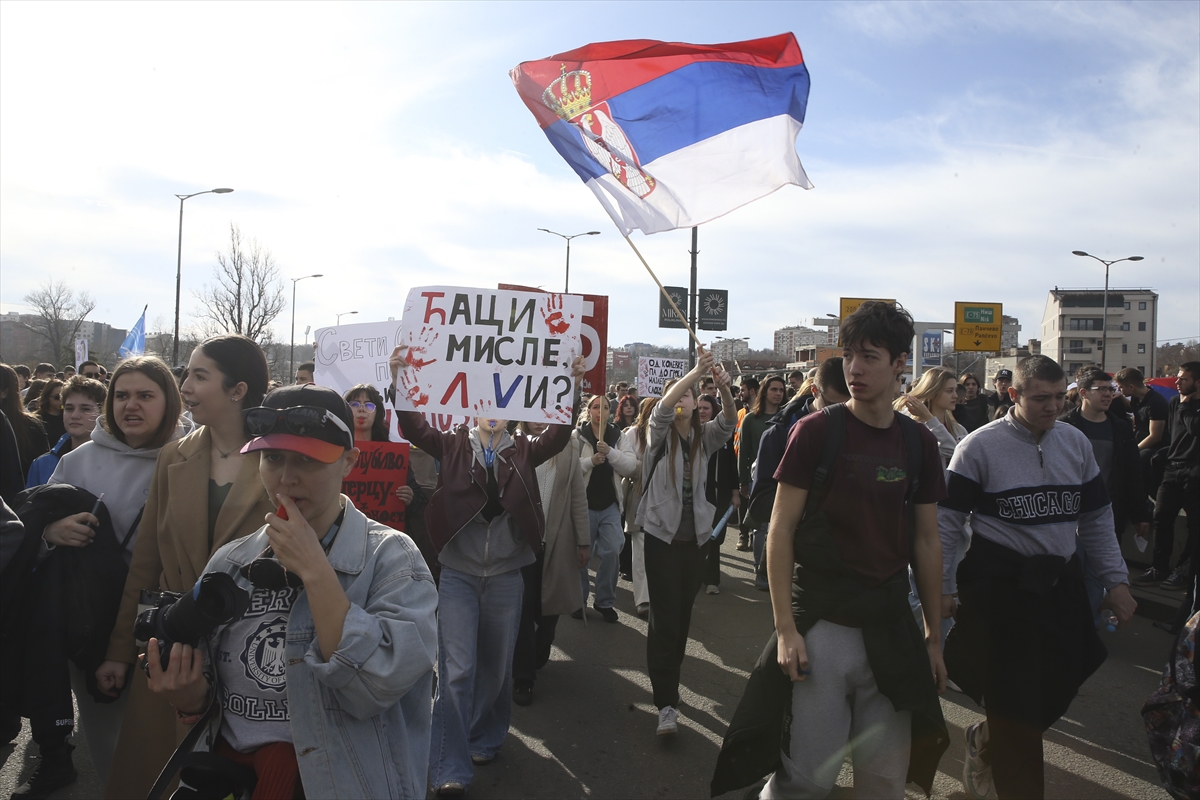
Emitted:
<point x="653" y="372"/>
<point x="490" y="353"/>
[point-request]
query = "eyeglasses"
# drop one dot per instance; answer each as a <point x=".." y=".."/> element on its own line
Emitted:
<point x="356" y="405"/>
<point x="300" y="420"/>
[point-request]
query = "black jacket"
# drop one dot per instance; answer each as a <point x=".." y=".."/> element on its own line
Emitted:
<point x="87" y="580"/>
<point x="974" y="413"/>
<point x="825" y="587"/>
<point x="1124" y="485"/>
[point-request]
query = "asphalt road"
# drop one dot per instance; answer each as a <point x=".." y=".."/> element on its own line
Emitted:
<point x="590" y="729"/>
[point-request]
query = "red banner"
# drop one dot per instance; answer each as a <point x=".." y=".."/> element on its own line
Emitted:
<point x="620" y="359"/>
<point x="382" y="468"/>
<point x="595" y="336"/>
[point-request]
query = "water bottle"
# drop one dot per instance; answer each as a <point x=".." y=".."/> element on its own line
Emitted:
<point x="1110" y="620"/>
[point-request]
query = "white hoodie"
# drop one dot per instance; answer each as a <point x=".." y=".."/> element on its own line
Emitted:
<point x="123" y="474"/>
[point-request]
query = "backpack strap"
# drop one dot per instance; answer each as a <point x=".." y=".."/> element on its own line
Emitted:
<point x="835" y="434"/>
<point x="132" y="528"/>
<point x="914" y="446"/>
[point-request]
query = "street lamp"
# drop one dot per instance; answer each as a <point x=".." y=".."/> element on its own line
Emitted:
<point x="292" y="350"/>
<point x="567" y="284"/>
<point x="343" y="314"/>
<point x="1104" y="316"/>
<point x="179" y="267"/>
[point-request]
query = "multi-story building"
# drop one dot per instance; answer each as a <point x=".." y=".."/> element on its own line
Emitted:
<point x="730" y="349"/>
<point x="1010" y="333"/>
<point x="1073" y="333"/>
<point x="20" y="343"/>
<point x="789" y="340"/>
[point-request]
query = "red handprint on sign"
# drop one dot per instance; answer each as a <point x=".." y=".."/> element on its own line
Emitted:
<point x="553" y="315"/>
<point x="419" y="347"/>
<point x="412" y="389"/>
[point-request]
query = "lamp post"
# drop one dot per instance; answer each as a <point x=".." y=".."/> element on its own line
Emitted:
<point x="732" y="357"/>
<point x="343" y="314"/>
<point x="1104" y="315"/>
<point x="567" y="284"/>
<point x="292" y="349"/>
<point x="179" y="267"/>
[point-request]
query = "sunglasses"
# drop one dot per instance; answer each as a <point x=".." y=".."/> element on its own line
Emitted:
<point x="300" y="420"/>
<point x="93" y="375"/>
<point x="266" y="572"/>
<point x="356" y="405"/>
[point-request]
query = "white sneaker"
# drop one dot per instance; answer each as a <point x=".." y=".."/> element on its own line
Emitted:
<point x="668" y="721"/>
<point x="710" y="589"/>
<point x="977" y="775"/>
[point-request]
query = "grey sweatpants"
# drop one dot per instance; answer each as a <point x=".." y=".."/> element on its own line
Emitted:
<point x="836" y="707"/>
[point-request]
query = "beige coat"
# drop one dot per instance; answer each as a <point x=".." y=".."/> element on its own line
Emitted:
<point x="170" y="554"/>
<point x="567" y="530"/>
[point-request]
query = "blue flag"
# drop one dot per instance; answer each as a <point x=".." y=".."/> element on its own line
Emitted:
<point x="135" y="342"/>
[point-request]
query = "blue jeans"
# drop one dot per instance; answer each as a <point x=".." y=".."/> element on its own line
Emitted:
<point x="607" y="540"/>
<point x="478" y="620"/>
<point x="758" y="542"/>
<point x="1095" y="589"/>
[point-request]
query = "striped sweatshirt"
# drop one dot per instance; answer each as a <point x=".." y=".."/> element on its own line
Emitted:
<point x="1029" y="496"/>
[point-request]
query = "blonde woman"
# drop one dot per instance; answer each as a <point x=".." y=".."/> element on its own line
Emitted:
<point x="931" y="402"/>
<point x="606" y="458"/>
<point x="637" y="436"/>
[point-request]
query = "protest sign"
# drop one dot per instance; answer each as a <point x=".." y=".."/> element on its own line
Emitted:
<point x="654" y="372"/>
<point x="382" y="468"/>
<point x="490" y="353"/>
<point x="595" y="337"/>
<point x="347" y="355"/>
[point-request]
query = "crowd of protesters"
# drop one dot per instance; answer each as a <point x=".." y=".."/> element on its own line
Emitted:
<point x="909" y="540"/>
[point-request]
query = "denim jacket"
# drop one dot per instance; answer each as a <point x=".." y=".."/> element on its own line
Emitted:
<point x="361" y="721"/>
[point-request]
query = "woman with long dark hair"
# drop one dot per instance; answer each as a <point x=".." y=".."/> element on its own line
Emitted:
<point x="605" y="457"/>
<point x="205" y="492"/>
<point x="677" y="518"/>
<point x="27" y="428"/>
<point x="366" y="404"/>
<point x="638" y="437"/>
<point x="49" y="410"/>
<point x="722" y="492"/>
<point x="766" y="404"/>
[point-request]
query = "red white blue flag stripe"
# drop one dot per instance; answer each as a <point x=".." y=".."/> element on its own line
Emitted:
<point x="672" y="135"/>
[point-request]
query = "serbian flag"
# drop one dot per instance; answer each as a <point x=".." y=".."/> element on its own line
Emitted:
<point x="671" y="135"/>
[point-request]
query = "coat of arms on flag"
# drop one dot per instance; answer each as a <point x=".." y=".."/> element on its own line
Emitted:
<point x="671" y="135"/>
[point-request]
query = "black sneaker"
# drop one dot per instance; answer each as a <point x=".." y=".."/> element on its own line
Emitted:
<point x="1178" y="579"/>
<point x="1148" y="578"/>
<point x="609" y="614"/>
<point x="54" y="771"/>
<point x="523" y="693"/>
<point x="577" y="614"/>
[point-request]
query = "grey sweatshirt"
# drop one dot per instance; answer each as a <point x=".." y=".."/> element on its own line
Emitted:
<point x="661" y="508"/>
<point x="1029" y="496"/>
<point x="484" y="548"/>
<point x="121" y="473"/>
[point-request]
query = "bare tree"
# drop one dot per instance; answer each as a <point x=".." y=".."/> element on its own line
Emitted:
<point x="248" y="294"/>
<point x="60" y="314"/>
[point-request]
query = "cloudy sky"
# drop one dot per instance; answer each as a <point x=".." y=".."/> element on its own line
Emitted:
<point x="958" y="152"/>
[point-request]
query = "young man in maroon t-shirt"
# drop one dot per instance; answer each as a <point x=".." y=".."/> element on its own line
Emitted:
<point x="835" y="698"/>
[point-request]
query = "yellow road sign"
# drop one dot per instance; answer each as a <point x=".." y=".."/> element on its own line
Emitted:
<point x="848" y="305"/>
<point x="977" y="326"/>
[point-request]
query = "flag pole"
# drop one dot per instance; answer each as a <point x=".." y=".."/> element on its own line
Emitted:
<point x="665" y="294"/>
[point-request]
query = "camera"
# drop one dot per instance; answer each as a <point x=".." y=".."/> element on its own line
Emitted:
<point x="187" y="618"/>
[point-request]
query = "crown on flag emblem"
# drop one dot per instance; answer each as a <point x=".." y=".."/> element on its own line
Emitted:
<point x="570" y="95"/>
